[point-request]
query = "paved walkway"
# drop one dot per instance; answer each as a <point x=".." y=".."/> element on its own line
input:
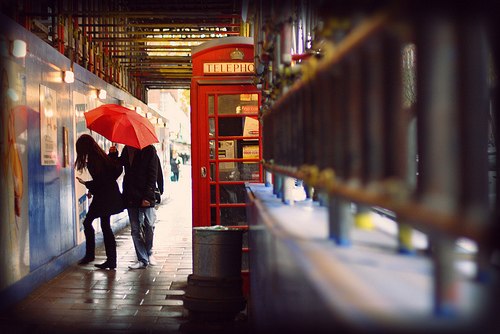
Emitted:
<point x="86" y="299"/>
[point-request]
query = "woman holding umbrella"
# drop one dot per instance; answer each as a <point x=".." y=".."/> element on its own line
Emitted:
<point x="107" y="199"/>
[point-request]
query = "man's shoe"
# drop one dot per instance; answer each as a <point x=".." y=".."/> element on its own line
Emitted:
<point x="106" y="265"/>
<point x="152" y="260"/>
<point x="86" y="259"/>
<point x="138" y="265"/>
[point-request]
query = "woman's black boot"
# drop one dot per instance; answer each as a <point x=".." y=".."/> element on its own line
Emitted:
<point x="89" y="246"/>
<point x="106" y="265"/>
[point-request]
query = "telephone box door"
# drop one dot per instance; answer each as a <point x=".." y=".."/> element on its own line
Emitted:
<point x="228" y="146"/>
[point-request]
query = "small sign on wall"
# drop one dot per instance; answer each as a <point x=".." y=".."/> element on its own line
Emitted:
<point x="48" y="126"/>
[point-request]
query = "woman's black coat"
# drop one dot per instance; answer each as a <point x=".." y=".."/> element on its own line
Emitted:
<point x="106" y="197"/>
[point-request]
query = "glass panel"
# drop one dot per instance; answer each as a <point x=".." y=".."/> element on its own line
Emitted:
<point x="249" y="149"/>
<point x="211" y="105"/>
<point x="233" y="216"/>
<point x="244" y="259"/>
<point x="250" y="171"/>
<point x="212" y="172"/>
<point x="232" y="193"/>
<point x="250" y="126"/>
<point x="238" y="104"/>
<point x="211" y="148"/>
<point x="239" y="126"/>
<point x="245" y="240"/>
<point x="211" y="127"/>
<point x="244" y="149"/>
<point x="243" y="171"/>
<point x="231" y="126"/>
<point x="227" y="150"/>
<point x="213" y="216"/>
<point x="213" y="195"/>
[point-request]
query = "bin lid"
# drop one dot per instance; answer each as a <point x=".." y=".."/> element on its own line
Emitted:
<point x="216" y="228"/>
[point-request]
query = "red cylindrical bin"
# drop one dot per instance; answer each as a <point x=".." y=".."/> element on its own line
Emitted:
<point x="217" y="251"/>
<point x="214" y="290"/>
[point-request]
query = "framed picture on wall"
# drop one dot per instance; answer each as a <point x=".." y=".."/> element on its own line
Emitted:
<point x="65" y="147"/>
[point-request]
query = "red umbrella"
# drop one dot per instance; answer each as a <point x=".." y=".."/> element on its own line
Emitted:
<point x="121" y="125"/>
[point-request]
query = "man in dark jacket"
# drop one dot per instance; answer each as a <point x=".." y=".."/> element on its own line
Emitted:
<point x="139" y="184"/>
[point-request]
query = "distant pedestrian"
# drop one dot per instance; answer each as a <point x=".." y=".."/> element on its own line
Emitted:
<point x="105" y="194"/>
<point x="175" y="162"/>
<point x="139" y="184"/>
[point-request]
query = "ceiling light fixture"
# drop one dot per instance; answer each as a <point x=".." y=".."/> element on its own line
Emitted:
<point x="19" y="48"/>
<point x="68" y="76"/>
<point x="102" y="94"/>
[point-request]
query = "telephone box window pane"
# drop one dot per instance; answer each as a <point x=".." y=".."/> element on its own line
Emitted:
<point x="211" y="105"/>
<point x="238" y="104"/>
<point x="211" y="127"/>
<point x="213" y="194"/>
<point x="211" y="148"/>
<point x="212" y="172"/>
<point x="241" y="149"/>
<point x="242" y="171"/>
<point x="250" y="171"/>
<point x="233" y="216"/>
<point x="245" y="264"/>
<point x="247" y="126"/>
<point x="250" y="126"/>
<point x="213" y="216"/>
<point x="227" y="150"/>
<point x="231" y="126"/>
<point x="232" y="193"/>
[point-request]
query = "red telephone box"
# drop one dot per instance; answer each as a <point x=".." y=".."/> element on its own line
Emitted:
<point x="225" y="135"/>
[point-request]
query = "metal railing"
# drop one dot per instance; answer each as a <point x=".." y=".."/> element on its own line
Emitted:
<point x="344" y="129"/>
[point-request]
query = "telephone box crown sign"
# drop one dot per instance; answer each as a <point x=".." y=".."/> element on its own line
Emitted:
<point x="237" y="54"/>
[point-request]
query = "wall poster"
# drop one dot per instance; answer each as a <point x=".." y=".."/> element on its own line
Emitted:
<point x="14" y="219"/>
<point x="80" y="106"/>
<point x="48" y="126"/>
